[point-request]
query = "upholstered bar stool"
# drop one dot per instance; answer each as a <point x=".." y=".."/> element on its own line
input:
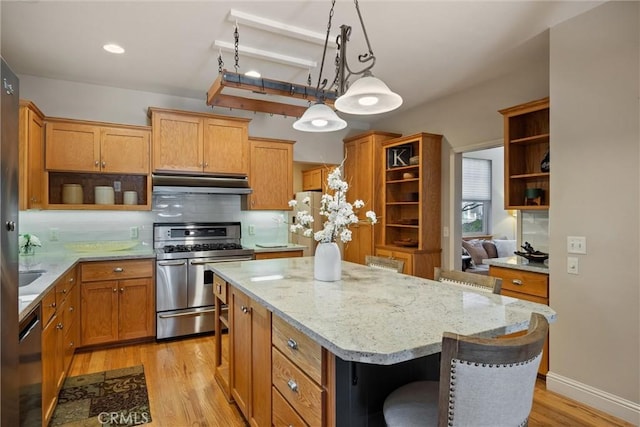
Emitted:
<point x="483" y="382"/>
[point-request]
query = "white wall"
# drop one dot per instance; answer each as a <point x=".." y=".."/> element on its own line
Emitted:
<point x="595" y="193"/>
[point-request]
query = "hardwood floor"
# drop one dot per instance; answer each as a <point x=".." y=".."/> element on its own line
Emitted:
<point x="182" y="391"/>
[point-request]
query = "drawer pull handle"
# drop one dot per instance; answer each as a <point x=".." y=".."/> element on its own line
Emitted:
<point x="293" y="386"/>
<point x="118" y="270"/>
<point x="292" y="344"/>
<point x="517" y="282"/>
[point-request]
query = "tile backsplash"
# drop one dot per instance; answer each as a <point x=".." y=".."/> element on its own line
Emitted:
<point x="535" y="229"/>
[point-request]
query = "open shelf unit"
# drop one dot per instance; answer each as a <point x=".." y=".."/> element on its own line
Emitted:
<point x="411" y="204"/>
<point x="526" y="142"/>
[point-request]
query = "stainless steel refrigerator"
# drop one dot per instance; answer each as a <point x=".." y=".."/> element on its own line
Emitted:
<point x="9" y="379"/>
<point x="314" y="209"/>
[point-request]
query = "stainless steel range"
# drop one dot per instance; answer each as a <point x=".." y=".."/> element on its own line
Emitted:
<point x="184" y="283"/>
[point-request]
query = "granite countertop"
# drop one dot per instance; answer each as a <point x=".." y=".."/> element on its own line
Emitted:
<point x="517" y="263"/>
<point x="276" y="247"/>
<point x="373" y="315"/>
<point x="56" y="264"/>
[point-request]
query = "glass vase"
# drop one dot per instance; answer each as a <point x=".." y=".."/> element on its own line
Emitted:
<point x="327" y="264"/>
<point x="28" y="251"/>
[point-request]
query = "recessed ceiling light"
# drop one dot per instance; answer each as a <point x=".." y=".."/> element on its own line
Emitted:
<point x="252" y="73"/>
<point x="113" y="48"/>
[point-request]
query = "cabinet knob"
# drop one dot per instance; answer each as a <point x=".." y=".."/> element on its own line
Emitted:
<point x="96" y="163"/>
<point x="517" y="282"/>
<point x="71" y="308"/>
<point x="118" y="270"/>
<point x="59" y="326"/>
<point x="292" y="344"/>
<point x="244" y="309"/>
<point x="121" y="289"/>
<point x="206" y="164"/>
<point x="115" y="289"/>
<point x="64" y="291"/>
<point x="293" y="386"/>
<point x="72" y="280"/>
<point x="52" y="305"/>
<point x="104" y="163"/>
<point x="71" y="344"/>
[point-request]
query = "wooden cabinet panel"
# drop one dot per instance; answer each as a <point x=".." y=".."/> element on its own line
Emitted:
<point x="279" y="254"/>
<point x="312" y="180"/>
<point x="304" y="395"/>
<point x="99" y="312"/>
<point x="72" y="146"/>
<point x="271" y="176"/>
<point x="125" y="150"/>
<point x="283" y="413"/>
<point x="226" y="146"/>
<point x="240" y="350"/>
<point x="31" y="156"/>
<point x="177" y="141"/>
<point x="222" y="352"/>
<point x="220" y="288"/>
<point x="260" y="409"/>
<point x="118" y="301"/>
<point x="51" y="366"/>
<point x="363" y="173"/>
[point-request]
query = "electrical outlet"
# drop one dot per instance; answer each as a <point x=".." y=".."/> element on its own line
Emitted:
<point x="133" y="233"/>
<point x="117" y="186"/>
<point x="576" y="244"/>
<point x="572" y="265"/>
<point x="54" y="234"/>
<point x="252" y="229"/>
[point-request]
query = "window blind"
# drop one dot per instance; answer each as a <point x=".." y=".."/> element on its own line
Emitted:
<point x="476" y="179"/>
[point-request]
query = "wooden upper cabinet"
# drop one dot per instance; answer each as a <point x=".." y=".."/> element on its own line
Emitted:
<point x="199" y="143"/>
<point x="316" y="179"/>
<point x="226" y="146"/>
<point x="31" y="156"/>
<point x="271" y="175"/>
<point x="72" y="146"/>
<point x="125" y="150"/>
<point x="79" y="146"/>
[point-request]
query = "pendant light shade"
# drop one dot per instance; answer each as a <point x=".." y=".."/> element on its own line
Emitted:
<point x="368" y="95"/>
<point x="319" y="118"/>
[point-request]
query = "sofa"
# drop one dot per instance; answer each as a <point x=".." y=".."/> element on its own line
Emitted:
<point x="474" y="251"/>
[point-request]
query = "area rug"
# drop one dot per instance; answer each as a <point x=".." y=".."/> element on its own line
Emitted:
<point x="109" y="398"/>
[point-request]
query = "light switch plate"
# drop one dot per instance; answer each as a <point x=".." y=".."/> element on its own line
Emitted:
<point x="133" y="233"/>
<point x="572" y="265"/>
<point x="576" y="245"/>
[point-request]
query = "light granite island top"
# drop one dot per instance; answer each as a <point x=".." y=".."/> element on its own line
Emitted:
<point x="375" y="316"/>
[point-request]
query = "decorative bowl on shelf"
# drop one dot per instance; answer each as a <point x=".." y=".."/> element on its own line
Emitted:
<point x="536" y="256"/>
<point x="407" y="221"/>
<point x="409" y="243"/>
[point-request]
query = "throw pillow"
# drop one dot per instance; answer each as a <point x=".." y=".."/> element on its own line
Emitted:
<point x="475" y="249"/>
<point x="505" y="248"/>
<point x="488" y="246"/>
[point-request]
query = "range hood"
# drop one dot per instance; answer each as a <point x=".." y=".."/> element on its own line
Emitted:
<point x="203" y="184"/>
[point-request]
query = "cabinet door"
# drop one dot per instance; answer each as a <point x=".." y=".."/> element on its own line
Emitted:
<point x="271" y="175"/>
<point x="312" y="180"/>
<point x="226" y="147"/>
<point x="99" y="308"/>
<point x="124" y="151"/>
<point x="240" y="350"/>
<point x="72" y="147"/>
<point x="177" y="142"/>
<point x="136" y="310"/>
<point x="51" y="367"/>
<point x="260" y="411"/>
<point x="71" y="326"/>
<point x="31" y="153"/>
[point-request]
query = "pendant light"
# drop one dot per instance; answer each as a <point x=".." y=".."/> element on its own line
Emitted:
<point x="368" y="95"/>
<point x="319" y="118"/>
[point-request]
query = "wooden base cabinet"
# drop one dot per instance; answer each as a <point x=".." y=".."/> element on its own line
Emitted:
<point x="118" y="301"/>
<point x="528" y="286"/>
<point x="278" y="254"/>
<point x="31" y="156"/>
<point x="250" y="381"/>
<point x="416" y="262"/>
<point x="59" y="338"/>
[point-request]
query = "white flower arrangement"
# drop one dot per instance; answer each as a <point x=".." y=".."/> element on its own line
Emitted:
<point x="340" y="213"/>
<point x="26" y="242"/>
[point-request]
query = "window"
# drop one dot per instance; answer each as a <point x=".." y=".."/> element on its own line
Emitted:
<point x="476" y="196"/>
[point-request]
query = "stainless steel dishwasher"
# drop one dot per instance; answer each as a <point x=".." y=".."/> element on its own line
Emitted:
<point x="30" y="369"/>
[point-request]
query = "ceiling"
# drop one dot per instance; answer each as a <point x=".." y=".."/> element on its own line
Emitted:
<point x="424" y="49"/>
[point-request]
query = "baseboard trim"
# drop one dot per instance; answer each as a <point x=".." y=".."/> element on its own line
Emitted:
<point x="601" y="400"/>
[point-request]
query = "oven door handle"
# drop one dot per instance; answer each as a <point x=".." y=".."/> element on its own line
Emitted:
<point x="171" y="263"/>
<point x="214" y="260"/>
<point x="188" y="313"/>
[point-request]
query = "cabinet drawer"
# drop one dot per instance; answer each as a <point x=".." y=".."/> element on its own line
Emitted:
<point x="64" y="285"/>
<point x="116" y="270"/>
<point x="524" y="282"/>
<point x="299" y="348"/>
<point x="299" y="390"/>
<point x="48" y="306"/>
<point x="220" y="288"/>
<point x="283" y="414"/>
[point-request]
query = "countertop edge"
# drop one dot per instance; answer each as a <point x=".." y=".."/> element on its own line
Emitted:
<point x="517" y="263"/>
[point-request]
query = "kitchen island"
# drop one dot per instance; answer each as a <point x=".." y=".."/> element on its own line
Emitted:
<point x="378" y="328"/>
